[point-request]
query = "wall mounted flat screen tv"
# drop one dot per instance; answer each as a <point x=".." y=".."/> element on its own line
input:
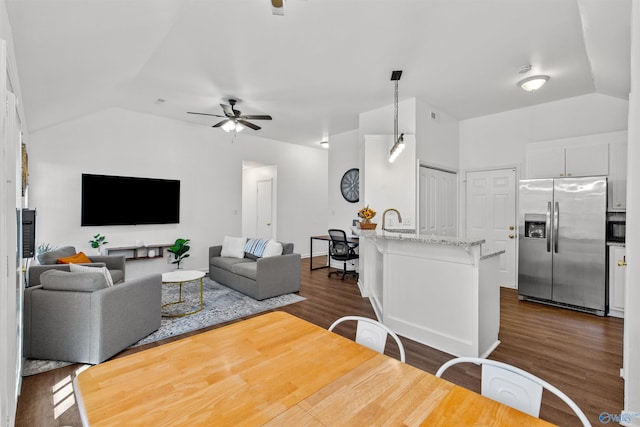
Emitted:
<point x="125" y="200"/>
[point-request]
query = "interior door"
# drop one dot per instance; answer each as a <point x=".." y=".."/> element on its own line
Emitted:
<point x="264" y="209"/>
<point x="491" y="215"/>
<point x="438" y="202"/>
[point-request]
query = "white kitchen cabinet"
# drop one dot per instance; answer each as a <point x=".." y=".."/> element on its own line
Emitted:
<point x="587" y="160"/>
<point x="572" y="160"/>
<point x="618" y="177"/>
<point x="545" y="162"/>
<point x="617" y="273"/>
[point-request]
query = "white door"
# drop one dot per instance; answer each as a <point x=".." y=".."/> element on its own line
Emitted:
<point x="264" y="210"/>
<point x="491" y="215"/>
<point x="438" y="202"/>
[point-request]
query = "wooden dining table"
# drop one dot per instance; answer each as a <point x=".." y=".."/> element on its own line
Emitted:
<point x="276" y="370"/>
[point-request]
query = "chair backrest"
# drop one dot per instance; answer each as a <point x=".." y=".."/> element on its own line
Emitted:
<point x="339" y="246"/>
<point x="513" y="386"/>
<point x="372" y="334"/>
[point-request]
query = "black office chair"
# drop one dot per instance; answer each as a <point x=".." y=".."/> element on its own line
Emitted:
<point x="341" y="250"/>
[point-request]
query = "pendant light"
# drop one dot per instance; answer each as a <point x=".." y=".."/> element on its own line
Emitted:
<point x="398" y="141"/>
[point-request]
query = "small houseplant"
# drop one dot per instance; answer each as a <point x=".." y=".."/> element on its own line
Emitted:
<point x="179" y="250"/>
<point x="98" y="241"/>
<point x="367" y="214"/>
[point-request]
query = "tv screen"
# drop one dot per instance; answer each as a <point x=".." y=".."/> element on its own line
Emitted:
<point x="125" y="200"/>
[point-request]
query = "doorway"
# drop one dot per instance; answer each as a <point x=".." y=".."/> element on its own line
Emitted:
<point x="259" y="195"/>
<point x="264" y="211"/>
<point x="491" y="215"/>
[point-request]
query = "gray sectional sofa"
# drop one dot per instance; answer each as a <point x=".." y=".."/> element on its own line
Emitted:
<point x="258" y="278"/>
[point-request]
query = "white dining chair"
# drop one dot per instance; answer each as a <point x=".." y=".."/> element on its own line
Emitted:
<point x="513" y="386"/>
<point x="372" y="334"/>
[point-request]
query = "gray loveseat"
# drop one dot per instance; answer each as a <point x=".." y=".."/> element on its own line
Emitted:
<point x="77" y="317"/>
<point x="258" y="278"/>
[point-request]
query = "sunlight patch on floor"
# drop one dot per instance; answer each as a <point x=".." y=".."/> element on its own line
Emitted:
<point x="63" y="397"/>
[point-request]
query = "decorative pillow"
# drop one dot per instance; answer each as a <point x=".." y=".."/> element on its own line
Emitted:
<point x="233" y="247"/>
<point x="255" y="248"/>
<point x="74" y="268"/>
<point x="51" y="257"/>
<point x="273" y="249"/>
<point x="57" y="280"/>
<point x="79" y="258"/>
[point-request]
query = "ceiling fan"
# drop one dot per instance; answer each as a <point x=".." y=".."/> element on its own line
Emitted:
<point x="233" y="119"/>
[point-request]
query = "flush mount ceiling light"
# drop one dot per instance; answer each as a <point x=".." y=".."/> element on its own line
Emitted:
<point x="324" y="144"/>
<point x="398" y="141"/>
<point x="533" y="83"/>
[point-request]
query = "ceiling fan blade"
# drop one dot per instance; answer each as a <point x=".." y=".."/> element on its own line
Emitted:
<point x="249" y="125"/>
<point x="228" y="111"/>
<point x="258" y="117"/>
<point x="204" y="114"/>
<point x="217" y="125"/>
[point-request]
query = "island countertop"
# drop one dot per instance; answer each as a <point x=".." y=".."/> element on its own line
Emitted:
<point x="410" y="235"/>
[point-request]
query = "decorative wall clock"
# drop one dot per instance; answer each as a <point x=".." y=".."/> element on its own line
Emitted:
<point x="350" y="185"/>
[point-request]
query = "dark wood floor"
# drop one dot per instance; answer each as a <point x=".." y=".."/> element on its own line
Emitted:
<point x="579" y="353"/>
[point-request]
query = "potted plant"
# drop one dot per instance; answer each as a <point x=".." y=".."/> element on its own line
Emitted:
<point x="179" y="250"/>
<point x="97" y="242"/>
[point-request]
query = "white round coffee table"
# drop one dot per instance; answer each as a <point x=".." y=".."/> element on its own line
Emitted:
<point x="179" y="277"/>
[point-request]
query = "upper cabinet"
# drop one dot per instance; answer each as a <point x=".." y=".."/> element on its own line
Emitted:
<point x="568" y="160"/>
<point x="618" y="177"/>
<point x="591" y="155"/>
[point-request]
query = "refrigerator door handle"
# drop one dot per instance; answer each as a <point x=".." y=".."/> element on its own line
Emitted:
<point x="556" y="219"/>
<point x="548" y="226"/>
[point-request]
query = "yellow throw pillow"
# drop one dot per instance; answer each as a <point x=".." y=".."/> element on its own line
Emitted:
<point x="79" y="258"/>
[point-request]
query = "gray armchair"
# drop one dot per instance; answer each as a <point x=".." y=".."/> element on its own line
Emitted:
<point x="114" y="263"/>
<point x="76" y="317"/>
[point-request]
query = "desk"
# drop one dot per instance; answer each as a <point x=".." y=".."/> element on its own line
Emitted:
<point x="276" y="369"/>
<point x="326" y="238"/>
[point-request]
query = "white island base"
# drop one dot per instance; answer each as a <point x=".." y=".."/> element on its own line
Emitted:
<point x="437" y="291"/>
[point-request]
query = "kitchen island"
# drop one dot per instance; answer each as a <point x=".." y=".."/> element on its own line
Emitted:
<point x="442" y="292"/>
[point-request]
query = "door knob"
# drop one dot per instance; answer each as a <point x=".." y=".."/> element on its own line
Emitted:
<point x="622" y="263"/>
<point x="511" y="227"/>
<point x="511" y="236"/>
<point x="268" y="223"/>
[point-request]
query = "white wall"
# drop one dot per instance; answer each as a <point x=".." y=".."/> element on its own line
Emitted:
<point x="499" y="140"/>
<point x="205" y="160"/>
<point x="343" y="155"/>
<point x="437" y="139"/>
<point x="10" y="200"/>
<point x="631" y="309"/>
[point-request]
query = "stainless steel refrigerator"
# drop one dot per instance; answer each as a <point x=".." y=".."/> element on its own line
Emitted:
<point x="562" y="242"/>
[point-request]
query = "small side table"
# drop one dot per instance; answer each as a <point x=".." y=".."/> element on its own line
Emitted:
<point x="180" y="277"/>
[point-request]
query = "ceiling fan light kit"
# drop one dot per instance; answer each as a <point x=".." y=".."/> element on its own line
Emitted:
<point x="533" y="83"/>
<point x="277" y="7"/>
<point x="234" y="120"/>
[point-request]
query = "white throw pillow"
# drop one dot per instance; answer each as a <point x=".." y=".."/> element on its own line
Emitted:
<point x="233" y="247"/>
<point x="75" y="268"/>
<point x="273" y="249"/>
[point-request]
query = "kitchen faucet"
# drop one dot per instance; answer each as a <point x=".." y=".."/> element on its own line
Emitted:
<point x="384" y="214"/>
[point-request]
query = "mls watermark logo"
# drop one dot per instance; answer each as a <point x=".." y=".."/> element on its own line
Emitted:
<point x="624" y="417"/>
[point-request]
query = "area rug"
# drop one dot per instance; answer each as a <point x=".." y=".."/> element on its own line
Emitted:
<point x="221" y="304"/>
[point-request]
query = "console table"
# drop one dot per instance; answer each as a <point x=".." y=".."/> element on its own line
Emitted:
<point x="139" y="252"/>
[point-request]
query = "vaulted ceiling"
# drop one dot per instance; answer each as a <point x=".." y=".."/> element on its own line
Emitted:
<point x="318" y="66"/>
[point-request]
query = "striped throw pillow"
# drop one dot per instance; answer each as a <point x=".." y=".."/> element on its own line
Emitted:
<point x="256" y="247"/>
